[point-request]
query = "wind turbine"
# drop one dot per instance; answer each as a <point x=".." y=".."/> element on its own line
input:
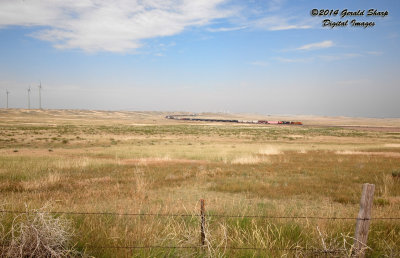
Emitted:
<point x="40" y="95"/>
<point x="7" y="92"/>
<point x="29" y="97"/>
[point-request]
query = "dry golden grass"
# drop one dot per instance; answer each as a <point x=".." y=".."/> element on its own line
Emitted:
<point x="248" y="160"/>
<point x="270" y="151"/>
<point x="139" y="162"/>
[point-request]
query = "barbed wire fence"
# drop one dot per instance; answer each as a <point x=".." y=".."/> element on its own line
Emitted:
<point x="360" y="239"/>
<point x="191" y="215"/>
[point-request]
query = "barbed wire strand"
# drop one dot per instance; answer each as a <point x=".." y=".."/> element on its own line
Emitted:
<point x="228" y="247"/>
<point x="236" y="248"/>
<point x="195" y="215"/>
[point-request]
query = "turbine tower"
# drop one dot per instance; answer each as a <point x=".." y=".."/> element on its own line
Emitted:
<point x="7" y="92"/>
<point x="29" y="97"/>
<point x="40" y="95"/>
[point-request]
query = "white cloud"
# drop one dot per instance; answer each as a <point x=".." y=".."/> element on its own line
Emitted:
<point x="294" y="60"/>
<point x="274" y="5"/>
<point x="259" y="63"/>
<point x="275" y="23"/>
<point x="101" y="25"/>
<point x="339" y="56"/>
<point x="317" y="45"/>
<point x="289" y="27"/>
<point x="123" y="25"/>
<point x="223" y="29"/>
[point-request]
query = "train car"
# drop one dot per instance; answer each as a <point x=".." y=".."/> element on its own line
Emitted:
<point x="192" y="118"/>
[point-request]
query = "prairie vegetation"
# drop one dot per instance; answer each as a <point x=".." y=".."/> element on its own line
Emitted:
<point x="139" y="162"/>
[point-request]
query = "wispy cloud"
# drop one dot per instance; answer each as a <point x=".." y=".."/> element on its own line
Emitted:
<point x="223" y="29"/>
<point x="327" y="58"/>
<point x="339" y="56"/>
<point x="375" y="53"/>
<point x="259" y="63"/>
<point x="289" y="27"/>
<point x="294" y="60"/>
<point x="317" y="45"/>
<point x="274" y="5"/>
<point x="280" y="22"/>
<point x="101" y="25"/>
<point x="124" y="25"/>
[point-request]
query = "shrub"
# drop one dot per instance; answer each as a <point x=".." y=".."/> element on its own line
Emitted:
<point x="396" y="173"/>
<point x="37" y="233"/>
<point x="381" y="202"/>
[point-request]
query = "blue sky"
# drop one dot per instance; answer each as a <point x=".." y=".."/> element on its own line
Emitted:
<point x="266" y="57"/>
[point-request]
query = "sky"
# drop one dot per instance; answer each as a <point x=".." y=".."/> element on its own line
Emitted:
<point x="266" y="57"/>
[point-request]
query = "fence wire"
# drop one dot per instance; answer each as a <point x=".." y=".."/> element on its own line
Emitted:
<point x="195" y="215"/>
<point x="304" y="250"/>
<point x="227" y="247"/>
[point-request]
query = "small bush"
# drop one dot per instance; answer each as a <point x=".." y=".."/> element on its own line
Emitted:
<point x="381" y="202"/>
<point x="396" y="173"/>
<point x="38" y="234"/>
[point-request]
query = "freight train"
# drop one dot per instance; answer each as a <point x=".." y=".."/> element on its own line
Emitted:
<point x="193" y="118"/>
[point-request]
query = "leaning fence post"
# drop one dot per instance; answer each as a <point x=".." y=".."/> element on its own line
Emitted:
<point x="203" y="222"/>
<point x="363" y="220"/>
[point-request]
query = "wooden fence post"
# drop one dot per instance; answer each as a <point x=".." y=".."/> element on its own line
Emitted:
<point x="363" y="220"/>
<point x="203" y="222"/>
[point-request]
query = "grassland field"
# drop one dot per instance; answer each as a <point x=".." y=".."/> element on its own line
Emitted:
<point x="140" y="162"/>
